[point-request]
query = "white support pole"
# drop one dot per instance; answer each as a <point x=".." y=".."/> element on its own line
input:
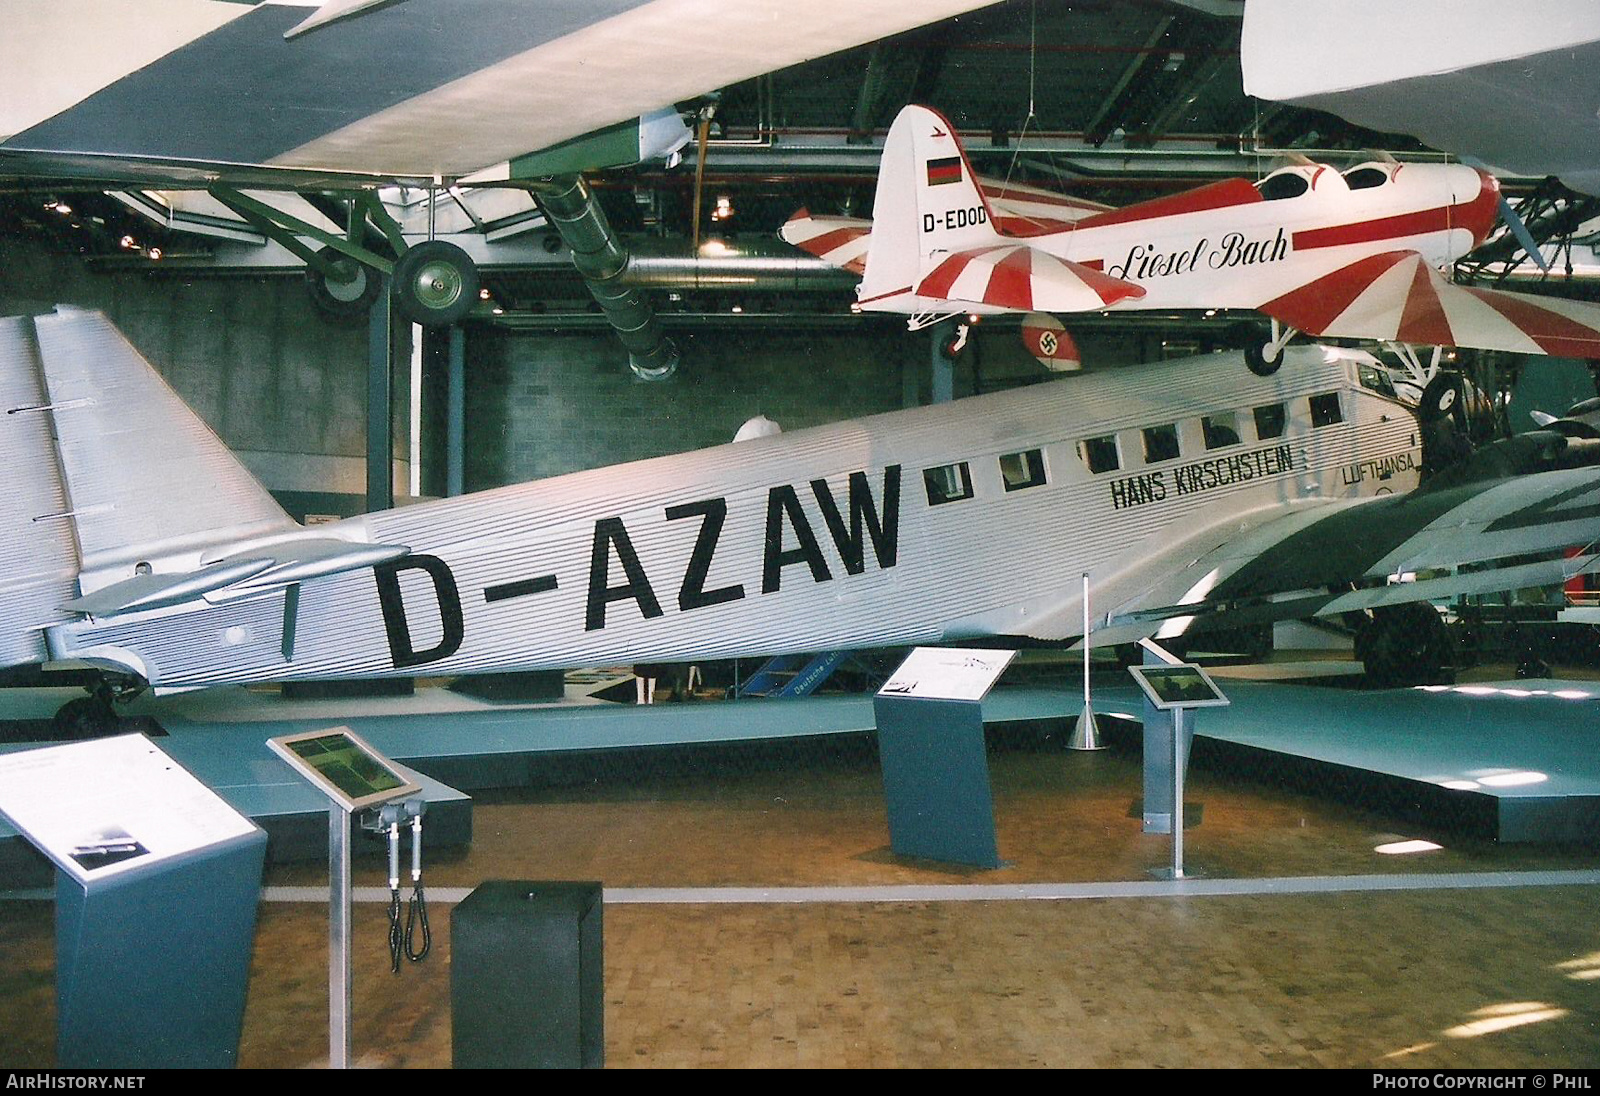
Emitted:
<point x="1085" y="733"/>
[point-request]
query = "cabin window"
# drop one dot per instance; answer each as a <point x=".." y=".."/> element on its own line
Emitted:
<point x="1220" y="430"/>
<point x="1100" y="454"/>
<point x="1325" y="409"/>
<point x="1290" y="184"/>
<point x="1160" y="443"/>
<point x="1020" y="471"/>
<point x="1271" y="419"/>
<point x="1363" y="178"/>
<point x="947" y="483"/>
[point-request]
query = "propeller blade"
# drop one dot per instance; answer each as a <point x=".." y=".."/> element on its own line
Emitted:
<point x="1524" y="237"/>
<point x="1514" y="222"/>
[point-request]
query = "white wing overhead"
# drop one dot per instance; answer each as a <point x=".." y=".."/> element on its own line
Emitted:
<point x="412" y="89"/>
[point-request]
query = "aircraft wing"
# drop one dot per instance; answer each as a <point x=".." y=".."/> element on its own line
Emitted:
<point x="1396" y="296"/>
<point x="1016" y="276"/>
<point x="1326" y="558"/>
<point x="407" y="90"/>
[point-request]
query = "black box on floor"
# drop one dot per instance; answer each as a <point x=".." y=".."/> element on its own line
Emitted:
<point x="526" y="977"/>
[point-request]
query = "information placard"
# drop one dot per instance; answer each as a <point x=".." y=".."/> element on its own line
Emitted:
<point x="343" y="767"/>
<point x="947" y="673"/>
<point x="1182" y="686"/>
<point x="113" y="805"/>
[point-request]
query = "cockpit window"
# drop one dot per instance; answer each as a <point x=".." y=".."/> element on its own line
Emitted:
<point x="1376" y="379"/>
<point x="1365" y="176"/>
<point x="1286" y="184"/>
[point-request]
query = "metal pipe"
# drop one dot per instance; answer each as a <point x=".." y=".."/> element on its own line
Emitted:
<point x="598" y="254"/>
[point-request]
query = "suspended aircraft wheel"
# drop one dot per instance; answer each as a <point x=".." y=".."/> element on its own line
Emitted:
<point x="1444" y="397"/>
<point x="1256" y="360"/>
<point x="435" y="283"/>
<point x="1404" y="645"/>
<point x="347" y="293"/>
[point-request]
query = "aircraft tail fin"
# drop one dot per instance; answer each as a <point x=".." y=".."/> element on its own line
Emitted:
<point x="928" y="205"/>
<point x="117" y="471"/>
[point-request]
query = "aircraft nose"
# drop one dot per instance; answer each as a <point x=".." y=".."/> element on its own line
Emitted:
<point x="1479" y="214"/>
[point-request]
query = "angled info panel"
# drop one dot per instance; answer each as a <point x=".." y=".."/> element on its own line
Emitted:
<point x="38" y="560"/>
<point x="144" y="474"/>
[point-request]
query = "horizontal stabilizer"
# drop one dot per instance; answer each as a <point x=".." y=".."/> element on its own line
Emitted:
<point x="1398" y="297"/>
<point x="249" y="572"/>
<point x="1016" y="276"/>
<point x="842" y="241"/>
<point x="144" y="475"/>
<point x="1021" y="210"/>
<point x="151" y="591"/>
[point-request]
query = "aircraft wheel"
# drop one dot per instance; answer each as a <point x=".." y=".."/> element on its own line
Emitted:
<point x="1256" y="360"/>
<point x="435" y="283"/>
<point x="1404" y="645"/>
<point x="343" y="299"/>
<point x="1444" y="397"/>
<point x="84" y="718"/>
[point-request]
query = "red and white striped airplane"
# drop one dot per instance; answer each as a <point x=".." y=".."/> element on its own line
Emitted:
<point x="1353" y="254"/>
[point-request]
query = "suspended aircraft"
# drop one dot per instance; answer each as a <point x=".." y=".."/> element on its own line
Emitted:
<point x="1351" y="254"/>
<point x="136" y="543"/>
<point x="346" y="96"/>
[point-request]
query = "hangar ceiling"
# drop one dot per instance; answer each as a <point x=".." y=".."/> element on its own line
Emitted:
<point x="1110" y="100"/>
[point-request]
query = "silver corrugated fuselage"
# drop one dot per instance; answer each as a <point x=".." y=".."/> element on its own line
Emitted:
<point x="628" y="563"/>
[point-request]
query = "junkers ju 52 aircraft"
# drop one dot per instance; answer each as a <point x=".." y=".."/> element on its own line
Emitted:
<point x="1187" y="491"/>
<point x="1353" y="254"/>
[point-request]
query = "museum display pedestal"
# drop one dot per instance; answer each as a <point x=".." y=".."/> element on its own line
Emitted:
<point x="527" y="977"/>
<point x="936" y="779"/>
<point x="151" y="966"/>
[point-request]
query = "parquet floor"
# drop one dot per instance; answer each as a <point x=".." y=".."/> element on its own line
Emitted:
<point x="1434" y="978"/>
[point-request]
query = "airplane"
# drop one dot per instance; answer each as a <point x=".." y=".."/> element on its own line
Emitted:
<point x="240" y="100"/>
<point x="1353" y="254"/>
<point x="136" y="543"/>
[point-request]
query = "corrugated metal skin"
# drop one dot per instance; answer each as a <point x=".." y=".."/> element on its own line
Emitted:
<point x="38" y="560"/>
<point x="999" y="562"/>
<point x="145" y="475"/>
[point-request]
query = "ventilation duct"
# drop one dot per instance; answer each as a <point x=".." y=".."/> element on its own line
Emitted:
<point x="601" y="258"/>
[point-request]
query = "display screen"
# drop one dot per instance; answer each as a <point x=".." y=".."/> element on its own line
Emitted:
<point x="345" y="765"/>
<point x="1183" y="686"/>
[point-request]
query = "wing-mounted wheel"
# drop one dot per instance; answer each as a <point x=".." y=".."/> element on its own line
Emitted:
<point x="343" y="290"/>
<point x="1263" y="353"/>
<point x="1444" y="415"/>
<point x="435" y="283"/>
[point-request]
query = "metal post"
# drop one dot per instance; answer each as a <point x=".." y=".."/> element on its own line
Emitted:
<point x="1086" y="732"/>
<point x="380" y="420"/>
<point x="339" y="976"/>
<point x="1180" y="725"/>
<point x="455" y="432"/>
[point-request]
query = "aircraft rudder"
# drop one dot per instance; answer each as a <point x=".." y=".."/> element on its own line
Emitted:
<point x="928" y="203"/>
